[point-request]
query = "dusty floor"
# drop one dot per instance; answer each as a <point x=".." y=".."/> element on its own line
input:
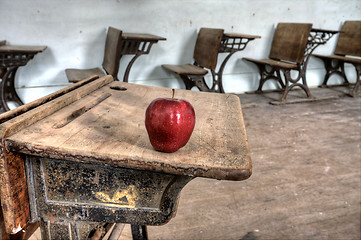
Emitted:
<point x="306" y="177"/>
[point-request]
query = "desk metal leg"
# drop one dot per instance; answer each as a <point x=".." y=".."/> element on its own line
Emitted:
<point x="126" y="74"/>
<point x="217" y="77"/>
<point x="57" y="229"/>
<point x="195" y="81"/>
<point x="268" y="74"/>
<point x="290" y="83"/>
<point x="82" y="230"/>
<point x="217" y="85"/>
<point x="137" y="48"/>
<point x="7" y="89"/>
<point x="338" y="67"/>
<point x="139" y="232"/>
<point x="358" y="80"/>
<point x="334" y="67"/>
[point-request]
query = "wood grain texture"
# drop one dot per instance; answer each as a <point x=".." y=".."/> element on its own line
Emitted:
<point x="14" y="193"/>
<point x="349" y="41"/>
<point x="141" y="36"/>
<point x="75" y="75"/>
<point x="207" y="47"/>
<point x="240" y="35"/>
<point x="186" y="69"/>
<point x="21" y="49"/>
<point x="339" y="58"/>
<point x="27" y="107"/>
<point x="289" y="42"/>
<point x="112" y="131"/>
<point x="112" y="51"/>
<point x="273" y="63"/>
<point x="13" y="185"/>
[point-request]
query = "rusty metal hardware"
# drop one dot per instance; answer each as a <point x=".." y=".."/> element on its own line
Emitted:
<point x="231" y="43"/>
<point x="11" y="58"/>
<point x="348" y="50"/>
<point x="272" y="69"/>
<point x="137" y="45"/>
<point x="74" y="193"/>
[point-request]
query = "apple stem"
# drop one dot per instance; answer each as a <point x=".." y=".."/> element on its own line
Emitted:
<point x="173" y="91"/>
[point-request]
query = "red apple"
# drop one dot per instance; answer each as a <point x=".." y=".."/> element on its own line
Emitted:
<point x="169" y="123"/>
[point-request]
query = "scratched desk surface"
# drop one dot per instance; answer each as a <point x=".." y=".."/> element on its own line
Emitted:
<point x="107" y="126"/>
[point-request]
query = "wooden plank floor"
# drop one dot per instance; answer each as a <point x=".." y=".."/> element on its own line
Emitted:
<point x="306" y="177"/>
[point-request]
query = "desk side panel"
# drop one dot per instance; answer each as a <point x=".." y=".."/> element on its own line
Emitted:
<point x="14" y="193"/>
<point x="13" y="183"/>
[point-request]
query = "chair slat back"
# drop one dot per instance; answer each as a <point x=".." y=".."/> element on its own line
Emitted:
<point x="207" y="47"/>
<point x="289" y="42"/>
<point x="349" y="40"/>
<point x="112" y="51"/>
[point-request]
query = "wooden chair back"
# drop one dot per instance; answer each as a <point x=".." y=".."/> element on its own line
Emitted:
<point x="349" y="40"/>
<point x="207" y="47"/>
<point x="289" y="42"/>
<point x="112" y="51"/>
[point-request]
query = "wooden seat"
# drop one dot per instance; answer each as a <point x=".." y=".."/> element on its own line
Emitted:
<point x="110" y="61"/>
<point x="348" y="50"/>
<point x="205" y="57"/>
<point x="287" y="53"/>
<point x="275" y="63"/>
<point x="187" y="69"/>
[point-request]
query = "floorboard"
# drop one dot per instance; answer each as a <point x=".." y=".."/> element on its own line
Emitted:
<point x="306" y="176"/>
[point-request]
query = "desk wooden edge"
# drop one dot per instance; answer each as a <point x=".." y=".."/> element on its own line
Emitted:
<point x="240" y="35"/>
<point x="272" y="63"/>
<point x="220" y="172"/>
<point x="346" y="59"/>
<point x="13" y="185"/>
<point x="142" y="36"/>
<point x="137" y="164"/>
<point x="21" y="49"/>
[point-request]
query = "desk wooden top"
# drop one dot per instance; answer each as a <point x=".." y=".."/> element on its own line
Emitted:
<point x="107" y="127"/>
<point x="141" y="36"/>
<point x="240" y="35"/>
<point x="21" y="49"/>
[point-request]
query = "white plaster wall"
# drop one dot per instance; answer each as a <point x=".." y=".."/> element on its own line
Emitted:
<point x="74" y="31"/>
